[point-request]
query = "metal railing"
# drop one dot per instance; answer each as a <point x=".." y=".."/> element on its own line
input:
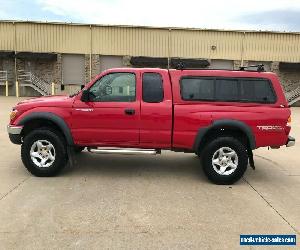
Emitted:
<point x="293" y="96"/>
<point x="3" y="75"/>
<point x="4" y="80"/>
<point x="32" y="80"/>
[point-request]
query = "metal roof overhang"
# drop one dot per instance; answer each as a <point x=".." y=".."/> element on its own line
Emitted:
<point x="33" y="56"/>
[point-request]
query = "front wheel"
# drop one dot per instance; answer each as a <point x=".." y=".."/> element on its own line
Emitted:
<point x="224" y="160"/>
<point x="43" y="152"/>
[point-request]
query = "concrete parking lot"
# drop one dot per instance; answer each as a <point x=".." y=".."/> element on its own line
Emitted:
<point x="145" y="202"/>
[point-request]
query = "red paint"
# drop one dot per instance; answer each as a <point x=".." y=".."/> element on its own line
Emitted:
<point x="106" y="124"/>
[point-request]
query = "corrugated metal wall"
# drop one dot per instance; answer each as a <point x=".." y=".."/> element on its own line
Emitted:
<point x="53" y="38"/>
<point x="130" y="41"/>
<point x="272" y="47"/>
<point x="198" y="44"/>
<point x="7" y="36"/>
<point x="155" y="42"/>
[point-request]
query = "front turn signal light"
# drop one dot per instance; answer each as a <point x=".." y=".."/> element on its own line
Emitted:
<point x="13" y="114"/>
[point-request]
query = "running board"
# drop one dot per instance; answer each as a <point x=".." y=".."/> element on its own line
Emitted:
<point x="124" y="151"/>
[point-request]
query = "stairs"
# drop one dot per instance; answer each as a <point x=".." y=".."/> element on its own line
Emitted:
<point x="293" y="96"/>
<point x="27" y="78"/>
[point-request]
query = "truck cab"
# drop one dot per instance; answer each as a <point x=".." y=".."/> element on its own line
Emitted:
<point x="125" y="107"/>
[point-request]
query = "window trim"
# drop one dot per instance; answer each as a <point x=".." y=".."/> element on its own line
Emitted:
<point x="239" y="79"/>
<point x="122" y="72"/>
<point x="162" y="82"/>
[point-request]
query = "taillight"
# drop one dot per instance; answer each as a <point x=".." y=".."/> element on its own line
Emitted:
<point x="289" y="122"/>
<point x="288" y="125"/>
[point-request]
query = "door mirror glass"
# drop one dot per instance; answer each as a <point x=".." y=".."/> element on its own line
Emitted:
<point x="85" y="97"/>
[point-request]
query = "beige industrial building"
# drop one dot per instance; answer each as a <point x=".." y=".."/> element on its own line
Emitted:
<point x="39" y="56"/>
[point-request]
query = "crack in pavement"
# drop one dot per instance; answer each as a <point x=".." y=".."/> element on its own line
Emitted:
<point x="274" y="209"/>
<point x="14" y="188"/>
<point x="267" y="159"/>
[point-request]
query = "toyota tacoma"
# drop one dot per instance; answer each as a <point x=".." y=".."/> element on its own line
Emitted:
<point x="220" y="115"/>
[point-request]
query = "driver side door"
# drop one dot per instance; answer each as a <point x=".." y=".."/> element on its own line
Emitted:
<point x="111" y="116"/>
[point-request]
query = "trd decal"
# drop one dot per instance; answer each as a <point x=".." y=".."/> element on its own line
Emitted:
<point x="272" y="128"/>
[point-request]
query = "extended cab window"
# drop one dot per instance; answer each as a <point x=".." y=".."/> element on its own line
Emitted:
<point x="153" y="91"/>
<point x="227" y="89"/>
<point x="114" y="87"/>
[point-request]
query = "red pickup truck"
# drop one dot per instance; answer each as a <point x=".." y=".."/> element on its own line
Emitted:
<point x="220" y="115"/>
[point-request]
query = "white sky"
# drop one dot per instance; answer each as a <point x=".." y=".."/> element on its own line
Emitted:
<point x="229" y="14"/>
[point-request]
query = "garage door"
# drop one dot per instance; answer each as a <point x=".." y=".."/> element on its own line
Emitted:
<point x="109" y="62"/>
<point x="221" y="64"/>
<point x="73" y="69"/>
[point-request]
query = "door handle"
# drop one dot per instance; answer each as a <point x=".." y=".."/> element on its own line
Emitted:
<point x="129" y="111"/>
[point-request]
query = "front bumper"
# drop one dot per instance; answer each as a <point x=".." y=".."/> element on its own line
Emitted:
<point x="14" y="133"/>
<point x="290" y="142"/>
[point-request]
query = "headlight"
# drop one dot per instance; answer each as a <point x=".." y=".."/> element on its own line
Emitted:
<point x="13" y="114"/>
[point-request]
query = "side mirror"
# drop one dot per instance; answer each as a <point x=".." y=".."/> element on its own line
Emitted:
<point x="85" y="97"/>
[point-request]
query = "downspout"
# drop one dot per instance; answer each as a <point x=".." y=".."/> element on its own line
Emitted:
<point x="16" y="71"/>
<point x="91" y="51"/>
<point x="169" y="48"/>
<point x="242" y="52"/>
<point x="15" y="50"/>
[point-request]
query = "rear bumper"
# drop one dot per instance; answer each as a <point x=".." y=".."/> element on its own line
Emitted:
<point x="290" y="142"/>
<point x="14" y="133"/>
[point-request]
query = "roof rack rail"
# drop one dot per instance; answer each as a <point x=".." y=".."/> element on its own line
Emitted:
<point x="259" y="67"/>
<point x="180" y="66"/>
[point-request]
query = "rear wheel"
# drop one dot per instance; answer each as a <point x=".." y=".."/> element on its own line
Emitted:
<point x="224" y="160"/>
<point x="43" y="152"/>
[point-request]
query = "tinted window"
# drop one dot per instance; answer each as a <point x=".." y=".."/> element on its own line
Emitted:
<point x="197" y="89"/>
<point x="256" y="91"/>
<point x="114" y="87"/>
<point x="227" y="90"/>
<point x="152" y="87"/>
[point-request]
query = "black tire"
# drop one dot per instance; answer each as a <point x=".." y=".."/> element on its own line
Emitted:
<point x="59" y="145"/>
<point x="78" y="149"/>
<point x="208" y="153"/>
